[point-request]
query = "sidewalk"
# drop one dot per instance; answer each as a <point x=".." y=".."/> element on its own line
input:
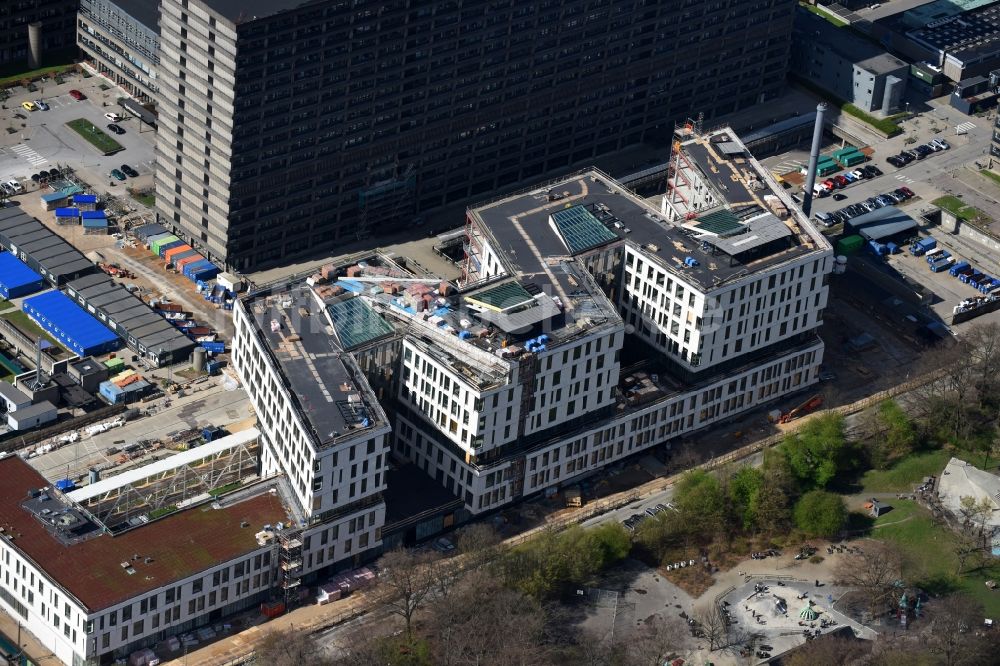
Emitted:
<point x="33" y="650"/>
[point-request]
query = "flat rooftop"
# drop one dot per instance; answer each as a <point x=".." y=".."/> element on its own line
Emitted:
<point x="146" y="12"/>
<point x="244" y="11"/>
<point x="330" y="390"/>
<point x="520" y="228"/>
<point x="89" y="564"/>
<point x="971" y="35"/>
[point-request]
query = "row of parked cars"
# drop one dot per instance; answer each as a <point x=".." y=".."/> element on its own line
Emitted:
<point x="842" y="180"/>
<point x="918" y="153"/>
<point x="868" y="205"/>
<point x="11" y="187"/>
<point x="637" y="518"/>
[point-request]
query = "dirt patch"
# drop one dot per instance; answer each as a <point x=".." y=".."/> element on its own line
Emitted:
<point x="695" y="580"/>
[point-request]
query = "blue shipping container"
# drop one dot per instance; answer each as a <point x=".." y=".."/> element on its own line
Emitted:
<point x="214" y="347"/>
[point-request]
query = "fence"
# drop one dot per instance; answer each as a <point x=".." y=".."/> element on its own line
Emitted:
<point x="366" y="602"/>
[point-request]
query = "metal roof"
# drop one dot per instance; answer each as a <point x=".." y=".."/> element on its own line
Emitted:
<point x="580" y="230"/>
<point x="882" y="223"/>
<point x="14" y="273"/>
<point x="759" y="231"/>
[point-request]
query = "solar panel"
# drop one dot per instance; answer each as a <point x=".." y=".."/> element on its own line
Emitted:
<point x="356" y="323"/>
<point x="580" y="230"/>
<point x="720" y="222"/>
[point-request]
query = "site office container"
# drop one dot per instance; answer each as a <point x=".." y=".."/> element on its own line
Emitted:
<point x="156" y="246"/>
<point x="202" y="272"/>
<point x="164" y="247"/>
<point x="187" y="260"/>
<point x="173" y="252"/>
<point x="959" y="267"/>
<point x="190" y="269"/>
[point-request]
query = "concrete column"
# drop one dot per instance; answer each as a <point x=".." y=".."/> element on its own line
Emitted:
<point x="34" y="45"/>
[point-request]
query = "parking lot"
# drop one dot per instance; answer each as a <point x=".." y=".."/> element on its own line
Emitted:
<point x="35" y="140"/>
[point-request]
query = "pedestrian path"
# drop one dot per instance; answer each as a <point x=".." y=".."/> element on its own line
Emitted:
<point x="904" y="178"/>
<point x="965" y="127"/>
<point x="33" y="158"/>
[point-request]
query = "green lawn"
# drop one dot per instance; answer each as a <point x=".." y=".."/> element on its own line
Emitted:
<point x="24" y="322"/>
<point x="906" y="473"/>
<point x="961" y="210"/>
<point x="148" y="200"/>
<point x="5" y="305"/>
<point x="97" y="137"/>
<point x="930" y="555"/>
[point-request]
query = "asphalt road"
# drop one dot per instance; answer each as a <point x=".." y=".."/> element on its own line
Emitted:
<point x="45" y="140"/>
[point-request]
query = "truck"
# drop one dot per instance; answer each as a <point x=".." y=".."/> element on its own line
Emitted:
<point x="920" y="247"/>
<point x="941" y="264"/>
<point x="809" y="405"/>
<point x="959" y="268"/>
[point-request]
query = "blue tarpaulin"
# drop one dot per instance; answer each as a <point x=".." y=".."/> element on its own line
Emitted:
<point x="70" y="324"/>
<point x="94" y="214"/>
<point x="16" y="279"/>
<point x="67" y="212"/>
<point x="84" y="198"/>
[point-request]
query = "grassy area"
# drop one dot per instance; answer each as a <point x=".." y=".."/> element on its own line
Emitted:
<point x="9" y="80"/>
<point x="222" y="490"/>
<point x="97" y="137"/>
<point x="162" y="511"/>
<point x="887" y="125"/>
<point x="819" y="12"/>
<point x="147" y="199"/>
<point x="991" y="175"/>
<point x="929" y="549"/>
<point x="24" y="323"/>
<point x="5" y="304"/>
<point x="960" y="209"/>
<point x="908" y="472"/>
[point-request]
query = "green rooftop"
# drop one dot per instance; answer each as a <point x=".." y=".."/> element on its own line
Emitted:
<point x="502" y="297"/>
<point x="580" y="230"/>
<point x="356" y="323"/>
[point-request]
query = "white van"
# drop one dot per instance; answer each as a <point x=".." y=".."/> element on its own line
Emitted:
<point x="825" y="218"/>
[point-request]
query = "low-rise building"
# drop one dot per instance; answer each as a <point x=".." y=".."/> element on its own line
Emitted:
<point x="846" y="65"/>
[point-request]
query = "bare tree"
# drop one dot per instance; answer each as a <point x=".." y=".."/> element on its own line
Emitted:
<point x="409" y="577"/>
<point x="720" y="633"/>
<point x="951" y="631"/>
<point x="287" y="648"/>
<point x="829" y="649"/>
<point x="874" y="573"/>
<point x="479" y="542"/>
<point x="654" y="642"/>
<point x="483" y="622"/>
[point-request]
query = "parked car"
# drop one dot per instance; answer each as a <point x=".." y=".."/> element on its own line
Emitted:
<point x="29" y="106"/>
<point x="839" y="197"/>
<point x="858" y="173"/>
<point x="117" y="129"/>
<point x="41" y="105"/>
<point x="895" y="161"/>
<point x="129" y="171"/>
<point x="112" y="116"/>
<point x="840" y="180"/>
<point x="77" y="95"/>
<point x="443" y="545"/>
<point x="117" y="175"/>
<point x="907" y="191"/>
<point x="941" y="142"/>
<point x="15" y="186"/>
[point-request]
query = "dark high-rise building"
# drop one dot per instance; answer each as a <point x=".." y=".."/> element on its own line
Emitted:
<point x="291" y="127"/>
<point x="55" y="36"/>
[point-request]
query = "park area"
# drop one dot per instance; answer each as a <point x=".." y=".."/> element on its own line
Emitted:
<point x="95" y="136"/>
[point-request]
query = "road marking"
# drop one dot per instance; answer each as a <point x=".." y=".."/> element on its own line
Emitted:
<point x="33" y="158"/>
<point x="966" y="126"/>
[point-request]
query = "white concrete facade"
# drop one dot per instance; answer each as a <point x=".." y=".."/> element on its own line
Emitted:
<point x="700" y="328"/>
<point x="565" y="458"/>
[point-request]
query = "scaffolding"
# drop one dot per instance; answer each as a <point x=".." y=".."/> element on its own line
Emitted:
<point x="171" y="483"/>
<point x="290" y="563"/>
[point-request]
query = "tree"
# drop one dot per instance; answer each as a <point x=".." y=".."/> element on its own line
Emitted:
<point x="818" y="451"/>
<point x="950" y="631"/>
<point x="874" y="573"/>
<point x="828" y="649"/>
<point x="699" y="499"/>
<point x="721" y="635"/>
<point x="483" y="622"/>
<point x="287" y="648"/>
<point x="820" y="514"/>
<point x="891" y="432"/>
<point x="654" y="642"/>
<point x="409" y="578"/>
<point x="744" y="493"/>
<point x="479" y="542"/>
